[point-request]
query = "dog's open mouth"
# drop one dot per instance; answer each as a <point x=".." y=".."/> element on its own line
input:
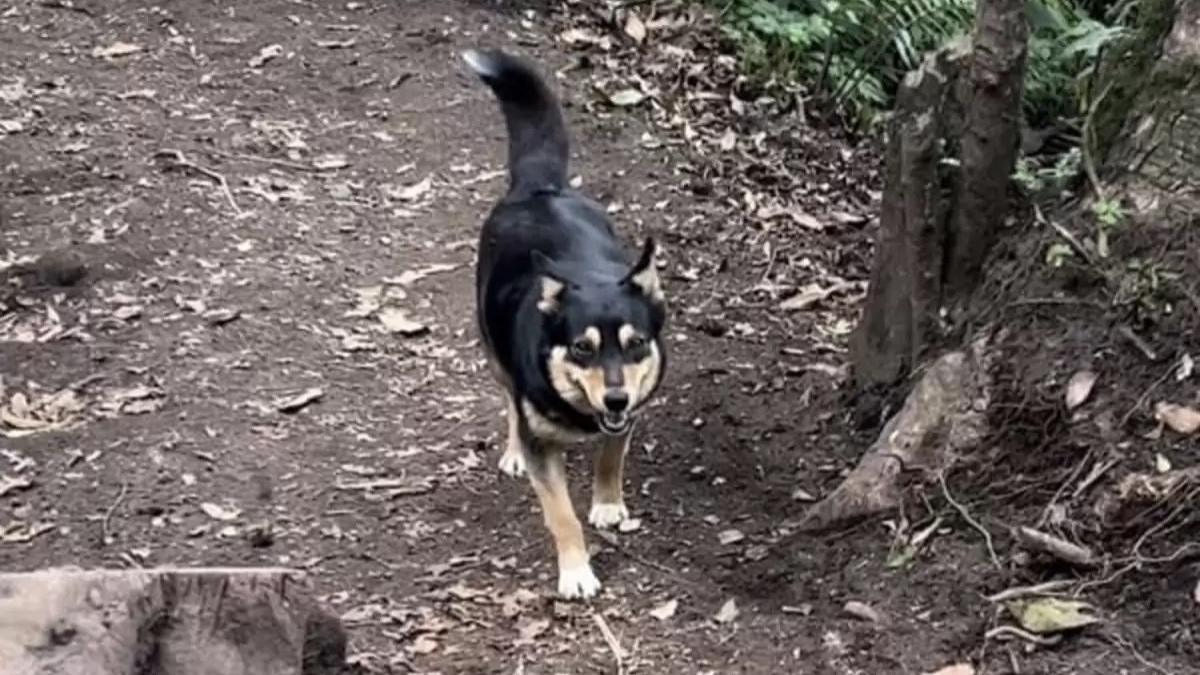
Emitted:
<point x="613" y="423"/>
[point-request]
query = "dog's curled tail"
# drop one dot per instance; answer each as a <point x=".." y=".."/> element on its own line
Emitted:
<point x="537" y="135"/>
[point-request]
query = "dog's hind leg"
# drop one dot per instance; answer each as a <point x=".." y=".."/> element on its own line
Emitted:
<point x="548" y="475"/>
<point x="512" y="462"/>
<point x="608" y="495"/>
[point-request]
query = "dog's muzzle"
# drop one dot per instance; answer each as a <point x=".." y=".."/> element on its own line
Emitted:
<point x="614" y="423"/>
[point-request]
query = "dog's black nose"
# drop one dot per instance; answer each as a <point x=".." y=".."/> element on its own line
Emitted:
<point x="616" y="401"/>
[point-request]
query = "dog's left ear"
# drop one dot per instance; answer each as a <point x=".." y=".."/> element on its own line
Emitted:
<point x="552" y="285"/>
<point x="644" y="275"/>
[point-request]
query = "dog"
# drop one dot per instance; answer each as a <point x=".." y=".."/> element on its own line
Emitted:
<point x="572" y="330"/>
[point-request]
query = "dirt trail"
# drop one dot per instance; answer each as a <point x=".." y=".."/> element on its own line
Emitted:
<point x="358" y="158"/>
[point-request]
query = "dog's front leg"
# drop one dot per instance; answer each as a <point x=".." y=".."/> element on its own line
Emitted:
<point x="548" y="474"/>
<point x="608" y="492"/>
<point x="512" y="462"/>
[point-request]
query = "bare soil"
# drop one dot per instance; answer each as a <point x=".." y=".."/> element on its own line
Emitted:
<point x="231" y="206"/>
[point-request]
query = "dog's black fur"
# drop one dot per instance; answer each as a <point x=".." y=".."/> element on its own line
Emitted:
<point x="544" y="228"/>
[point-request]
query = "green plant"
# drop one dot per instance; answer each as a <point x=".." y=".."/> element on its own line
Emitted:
<point x="1139" y="285"/>
<point x="1035" y="175"/>
<point x="1109" y="215"/>
<point x="854" y="53"/>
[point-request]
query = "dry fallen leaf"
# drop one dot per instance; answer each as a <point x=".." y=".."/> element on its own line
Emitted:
<point x="728" y="612"/>
<point x="802" y="495"/>
<point x="217" y="512"/>
<point x="1079" y="388"/>
<point x="330" y="162"/>
<point x="410" y="277"/>
<point x="411" y="193"/>
<point x="728" y="140"/>
<point x="1187" y="366"/>
<point x="396" y="321"/>
<point x="577" y="36"/>
<point x="1052" y="615"/>
<point x="634" y="28"/>
<point x="220" y="317"/>
<point x="266" y="54"/>
<point x="626" y="98"/>
<point x="336" y="44"/>
<point x="8" y="484"/>
<point x="861" y="610"/>
<point x="665" y="610"/>
<point x="956" y="669"/>
<point x="423" y="644"/>
<point x="128" y="312"/>
<point x="1161" y="463"/>
<point x="300" y="401"/>
<point x="20" y="533"/>
<point x="1181" y="419"/>
<point x="810" y="295"/>
<point x="731" y="536"/>
<point x="116" y="49"/>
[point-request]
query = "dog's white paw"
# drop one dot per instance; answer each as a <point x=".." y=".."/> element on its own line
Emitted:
<point x="512" y="463"/>
<point x="608" y="515"/>
<point x="577" y="581"/>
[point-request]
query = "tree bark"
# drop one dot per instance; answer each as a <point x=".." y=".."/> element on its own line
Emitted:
<point x="930" y="249"/>
<point x="991" y="140"/>
<point x="903" y="294"/>
<point x="166" y="622"/>
<point x="943" y="416"/>
<point x="1148" y="122"/>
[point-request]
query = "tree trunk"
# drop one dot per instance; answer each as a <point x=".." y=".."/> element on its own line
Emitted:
<point x="166" y="622"/>
<point x="991" y="140"/>
<point x="930" y="250"/>
<point x="1147" y="125"/>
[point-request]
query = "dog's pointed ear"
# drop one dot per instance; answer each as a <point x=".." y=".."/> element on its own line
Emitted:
<point x="644" y="275"/>
<point x="552" y="286"/>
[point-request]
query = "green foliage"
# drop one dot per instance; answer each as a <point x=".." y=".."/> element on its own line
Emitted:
<point x="1035" y="175"/>
<point x="854" y="53"/>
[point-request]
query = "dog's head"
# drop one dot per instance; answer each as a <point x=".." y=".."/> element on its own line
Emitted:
<point x="604" y="354"/>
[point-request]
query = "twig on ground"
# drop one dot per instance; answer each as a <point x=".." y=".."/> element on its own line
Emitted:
<point x="616" y="544"/>
<point x="1063" y="232"/>
<point x="1046" y="588"/>
<point x="1010" y="632"/>
<point x="1094" y="475"/>
<point x="266" y="160"/>
<point x="393" y="487"/>
<point x="67" y="5"/>
<point x="1124" y="643"/>
<point x="619" y="653"/>
<point x="1087" y="140"/>
<point x="183" y="162"/>
<point x="108" y="514"/>
<point x="962" y="511"/>
<point x="1059" y="548"/>
<point x="1146" y="395"/>
<point x="1046" y="512"/>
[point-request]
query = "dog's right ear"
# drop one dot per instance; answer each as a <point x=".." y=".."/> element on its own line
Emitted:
<point x="552" y="286"/>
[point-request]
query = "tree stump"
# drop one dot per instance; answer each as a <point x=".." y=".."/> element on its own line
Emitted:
<point x="208" y="621"/>
<point x="905" y="286"/>
<point x="952" y="147"/>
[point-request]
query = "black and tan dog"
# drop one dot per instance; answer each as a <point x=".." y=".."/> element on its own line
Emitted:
<point x="571" y="329"/>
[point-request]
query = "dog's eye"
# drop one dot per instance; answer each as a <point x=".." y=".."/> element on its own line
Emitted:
<point x="635" y="343"/>
<point x="582" y="349"/>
